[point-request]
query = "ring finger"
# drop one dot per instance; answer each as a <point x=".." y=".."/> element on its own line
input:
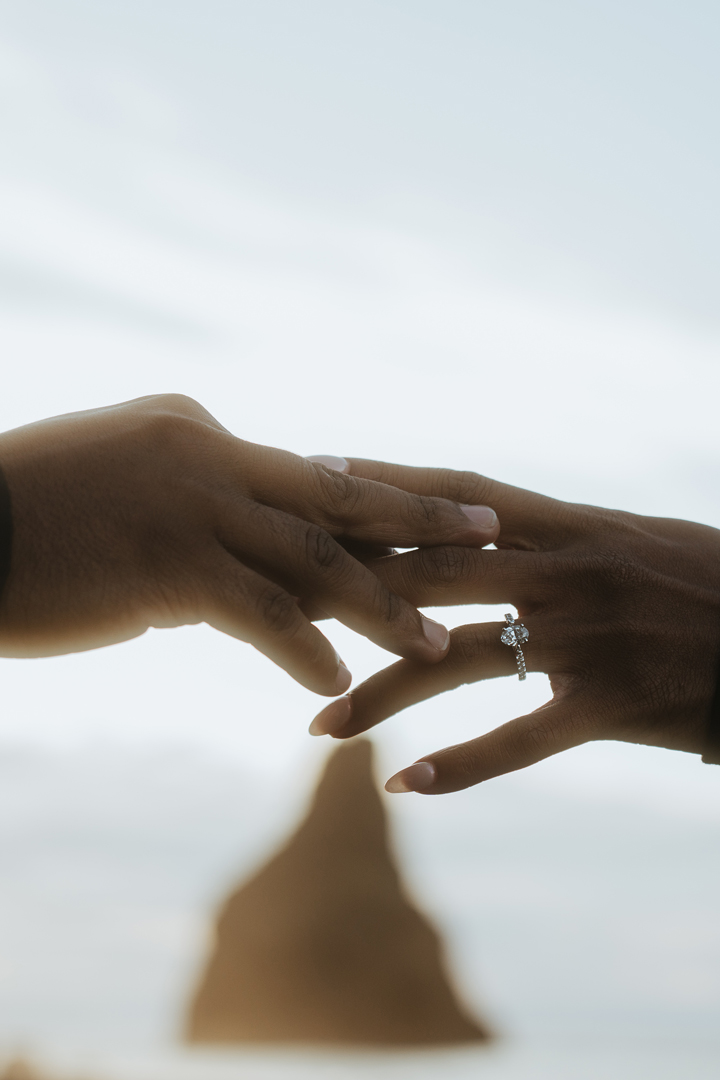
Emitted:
<point x="476" y="653"/>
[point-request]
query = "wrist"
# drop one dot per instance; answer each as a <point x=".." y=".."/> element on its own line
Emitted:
<point x="6" y="532"/>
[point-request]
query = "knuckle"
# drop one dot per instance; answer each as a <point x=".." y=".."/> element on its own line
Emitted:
<point x="322" y="552"/>
<point x="429" y="510"/>
<point x="445" y="565"/>
<point x="171" y="420"/>
<point x="610" y="523"/>
<point x="614" y="574"/>
<point x="389" y="606"/>
<point x="164" y="429"/>
<point x="462" y="486"/>
<point x="466" y="651"/>
<point x="278" y="611"/>
<point x="179" y="404"/>
<point x="341" y="494"/>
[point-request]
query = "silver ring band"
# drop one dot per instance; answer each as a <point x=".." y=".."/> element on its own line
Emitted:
<point x="514" y="635"/>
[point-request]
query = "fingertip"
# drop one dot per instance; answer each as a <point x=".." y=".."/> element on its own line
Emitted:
<point x="486" y="525"/>
<point x="343" y="680"/>
<point x="418" y="777"/>
<point x="484" y="516"/>
<point x="437" y="636"/>
<point x="332" y="718"/>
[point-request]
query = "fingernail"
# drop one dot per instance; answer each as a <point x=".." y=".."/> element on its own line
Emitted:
<point x="339" y="464"/>
<point x="343" y="680"/>
<point x="418" y="777"/>
<point x="333" y="717"/>
<point x="480" y="515"/>
<point x="437" y="634"/>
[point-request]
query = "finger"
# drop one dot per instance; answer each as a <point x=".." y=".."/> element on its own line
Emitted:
<point x="312" y="611"/>
<point x="526" y="518"/>
<point x="353" y="507"/>
<point x="305" y="559"/>
<point x="476" y="653"/>
<point x="549" y="730"/>
<point x="381" y="514"/>
<point x="438" y="576"/>
<point x="367" y="554"/>
<point x="247" y="606"/>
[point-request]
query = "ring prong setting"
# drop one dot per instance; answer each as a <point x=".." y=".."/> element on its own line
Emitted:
<point x="515" y="635"/>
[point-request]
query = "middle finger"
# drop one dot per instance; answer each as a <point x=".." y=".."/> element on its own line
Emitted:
<point x="441" y="576"/>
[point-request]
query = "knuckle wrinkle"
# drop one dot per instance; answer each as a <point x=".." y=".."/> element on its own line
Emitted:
<point x="463" y="486"/>
<point x="322" y="550"/>
<point x="444" y="565"/>
<point x="430" y="510"/>
<point x="342" y="494"/>
<point x="465" y="651"/>
<point x="278" y="610"/>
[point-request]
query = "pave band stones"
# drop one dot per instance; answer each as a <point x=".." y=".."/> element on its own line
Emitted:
<point x="515" y="635"/>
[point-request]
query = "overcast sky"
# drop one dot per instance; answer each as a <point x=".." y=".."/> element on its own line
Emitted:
<point x="473" y="234"/>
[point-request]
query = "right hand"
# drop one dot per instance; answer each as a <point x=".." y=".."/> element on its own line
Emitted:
<point x="150" y="513"/>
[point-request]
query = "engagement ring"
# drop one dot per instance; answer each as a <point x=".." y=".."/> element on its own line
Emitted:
<point x="515" y="635"/>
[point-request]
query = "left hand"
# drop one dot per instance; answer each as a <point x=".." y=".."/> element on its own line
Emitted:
<point x="623" y="613"/>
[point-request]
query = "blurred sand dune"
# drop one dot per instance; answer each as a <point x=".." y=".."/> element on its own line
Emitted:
<point x="20" y="1068"/>
<point x="323" y="945"/>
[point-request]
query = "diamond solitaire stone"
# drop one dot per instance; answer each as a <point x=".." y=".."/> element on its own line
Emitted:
<point x="514" y="635"/>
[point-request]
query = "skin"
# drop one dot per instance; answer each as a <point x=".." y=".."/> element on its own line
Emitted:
<point x="623" y="613"/>
<point x="151" y="514"/>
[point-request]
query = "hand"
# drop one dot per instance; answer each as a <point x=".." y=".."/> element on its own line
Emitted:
<point x="623" y="613"/>
<point x="150" y="513"/>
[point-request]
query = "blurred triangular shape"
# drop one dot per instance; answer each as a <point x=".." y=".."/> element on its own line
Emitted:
<point x="323" y="945"/>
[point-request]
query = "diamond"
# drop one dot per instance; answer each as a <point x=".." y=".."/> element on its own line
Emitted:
<point x="515" y="635"/>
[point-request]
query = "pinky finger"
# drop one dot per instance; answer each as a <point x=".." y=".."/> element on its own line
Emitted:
<point x="247" y="606"/>
<point x="549" y="730"/>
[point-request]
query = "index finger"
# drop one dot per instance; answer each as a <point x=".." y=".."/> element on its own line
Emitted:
<point x="367" y="510"/>
<point x="526" y="518"/>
